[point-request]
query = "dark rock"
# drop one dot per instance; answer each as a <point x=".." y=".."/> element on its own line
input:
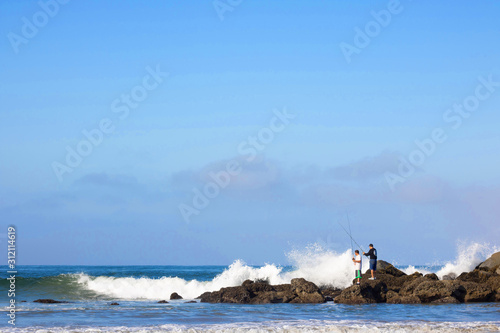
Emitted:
<point x="301" y="285"/>
<point x="247" y="283"/>
<point x="387" y="268"/>
<point x="476" y="292"/>
<point x="261" y="292"/>
<point x="258" y="287"/>
<point x="477" y="275"/>
<point x="446" y="300"/>
<point x="227" y="295"/>
<point x="382" y="265"/>
<point x="429" y="290"/>
<point x="492" y="263"/>
<point x="367" y="292"/>
<point x="48" y="301"/>
<point x="114" y="303"/>
<point x="188" y="302"/>
<point x="451" y="276"/>
<point x="272" y="297"/>
<point x="162" y="302"/>
<point x="405" y="300"/>
<point x="431" y="276"/>
<point x="307" y="292"/>
<point x="409" y="288"/>
<point x="175" y="296"/>
<point x="330" y="293"/>
<point x="283" y="287"/>
<point x="394" y="283"/>
<point x="494" y="283"/>
<point x="394" y="298"/>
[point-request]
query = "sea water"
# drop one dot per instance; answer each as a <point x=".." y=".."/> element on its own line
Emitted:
<point x="89" y="291"/>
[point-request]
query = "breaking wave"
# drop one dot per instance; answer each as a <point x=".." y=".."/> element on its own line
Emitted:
<point x="314" y="263"/>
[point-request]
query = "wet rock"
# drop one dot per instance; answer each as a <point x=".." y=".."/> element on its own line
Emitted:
<point x="394" y="283"/>
<point x="162" y="302"/>
<point x="476" y="292"/>
<point x="227" y="295"/>
<point x="477" y="275"/>
<point x="175" y="296"/>
<point x="429" y="290"/>
<point x="188" y="302"/>
<point x="330" y="293"/>
<point x="257" y="287"/>
<point x="494" y="283"/>
<point x="431" y="276"/>
<point x="446" y="300"/>
<point x="307" y="292"/>
<point x="391" y="270"/>
<point x="365" y="293"/>
<point x="449" y="277"/>
<point x="48" y="301"/>
<point x="382" y="265"/>
<point x="114" y="303"/>
<point x="492" y="263"/>
<point x="261" y="292"/>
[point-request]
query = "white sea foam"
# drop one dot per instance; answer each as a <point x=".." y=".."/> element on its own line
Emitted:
<point x="316" y="264"/>
<point x="469" y="256"/>
<point x="292" y="326"/>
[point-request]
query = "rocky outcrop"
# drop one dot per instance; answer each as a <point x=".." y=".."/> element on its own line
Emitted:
<point x="480" y="285"/>
<point x="391" y="286"/>
<point x="48" y="301"/>
<point x="298" y="291"/>
<point x="492" y="263"/>
<point x="330" y="293"/>
<point x="365" y="293"/>
<point x="175" y="296"/>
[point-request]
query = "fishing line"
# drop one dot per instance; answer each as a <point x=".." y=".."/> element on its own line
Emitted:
<point x="350" y="233"/>
<point x="347" y="232"/>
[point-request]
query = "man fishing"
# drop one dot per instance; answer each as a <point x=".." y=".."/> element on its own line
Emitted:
<point x="373" y="260"/>
<point x="357" y="265"/>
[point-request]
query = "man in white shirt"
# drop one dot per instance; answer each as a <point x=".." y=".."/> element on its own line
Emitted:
<point x="357" y="265"/>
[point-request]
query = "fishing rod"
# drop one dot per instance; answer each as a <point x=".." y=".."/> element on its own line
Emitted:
<point x="352" y="239"/>
<point x="350" y="233"/>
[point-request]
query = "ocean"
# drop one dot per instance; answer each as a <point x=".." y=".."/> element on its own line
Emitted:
<point x="90" y="290"/>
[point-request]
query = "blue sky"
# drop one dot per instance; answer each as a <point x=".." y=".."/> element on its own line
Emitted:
<point x="353" y="123"/>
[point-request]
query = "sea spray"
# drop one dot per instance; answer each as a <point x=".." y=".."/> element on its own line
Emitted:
<point x="323" y="267"/>
<point x="314" y="263"/>
<point x="469" y="256"/>
<point x="148" y="288"/>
